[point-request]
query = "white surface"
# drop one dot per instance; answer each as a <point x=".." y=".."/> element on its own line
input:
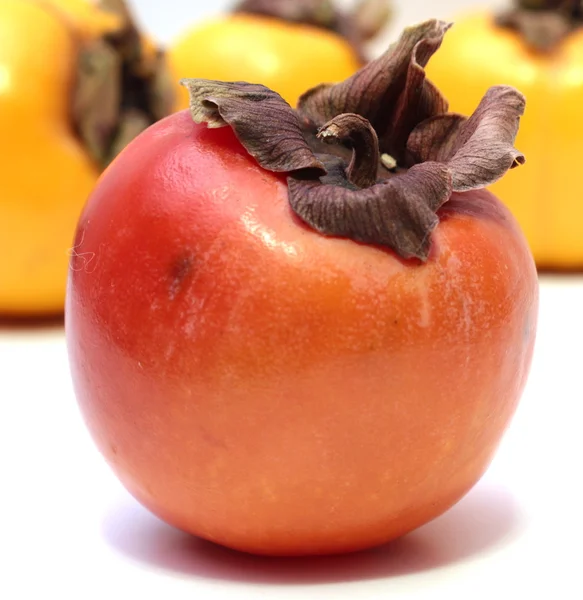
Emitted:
<point x="67" y="526"/>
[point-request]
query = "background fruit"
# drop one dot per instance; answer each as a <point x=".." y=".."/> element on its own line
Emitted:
<point x="286" y="57"/>
<point x="546" y="195"/>
<point x="45" y="173"/>
<point x="77" y="82"/>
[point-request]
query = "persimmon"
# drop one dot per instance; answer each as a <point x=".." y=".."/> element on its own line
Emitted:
<point x="537" y="47"/>
<point x="61" y="120"/>
<point x="305" y="331"/>
<point x="287" y="45"/>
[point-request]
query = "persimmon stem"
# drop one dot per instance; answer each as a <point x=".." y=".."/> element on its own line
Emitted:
<point x="355" y="132"/>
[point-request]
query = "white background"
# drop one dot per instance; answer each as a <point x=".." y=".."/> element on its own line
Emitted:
<point x="166" y="18"/>
<point x="68" y="528"/>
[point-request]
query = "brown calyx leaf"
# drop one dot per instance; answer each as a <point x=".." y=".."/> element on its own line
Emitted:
<point x="358" y="26"/>
<point x="391" y="91"/>
<point x="357" y="134"/>
<point x="119" y="84"/>
<point x="478" y="150"/>
<point x="375" y="157"/>
<point x="394" y="213"/>
<point x="543" y="24"/>
<point x="262" y="120"/>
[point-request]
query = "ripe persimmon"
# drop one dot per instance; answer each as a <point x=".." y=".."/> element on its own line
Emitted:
<point x="64" y="111"/>
<point x="287" y="45"/>
<point x="290" y="347"/>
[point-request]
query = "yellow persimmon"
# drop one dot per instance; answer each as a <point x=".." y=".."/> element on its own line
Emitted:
<point x="546" y="195"/>
<point x="285" y="55"/>
<point x="46" y="172"/>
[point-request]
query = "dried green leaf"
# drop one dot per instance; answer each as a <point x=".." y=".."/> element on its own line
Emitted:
<point x="131" y="123"/>
<point x="357" y="26"/>
<point x="543" y="24"/>
<point x="262" y="120"/>
<point x="119" y="8"/>
<point x="538" y="5"/>
<point x="540" y="31"/>
<point x="161" y="92"/>
<point x="321" y="13"/>
<point x="371" y="16"/>
<point x="115" y="78"/>
<point x="97" y="97"/>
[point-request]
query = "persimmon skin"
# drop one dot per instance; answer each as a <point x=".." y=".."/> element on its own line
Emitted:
<point x="274" y="390"/>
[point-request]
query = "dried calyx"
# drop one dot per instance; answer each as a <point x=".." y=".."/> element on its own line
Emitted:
<point x="374" y="157"/>
<point x="122" y="87"/>
<point x="543" y="23"/>
<point x="358" y="26"/>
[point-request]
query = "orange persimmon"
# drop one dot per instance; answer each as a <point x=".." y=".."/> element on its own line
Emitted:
<point x="285" y="346"/>
<point x="547" y="195"/>
<point x="46" y="172"/>
<point x="281" y="47"/>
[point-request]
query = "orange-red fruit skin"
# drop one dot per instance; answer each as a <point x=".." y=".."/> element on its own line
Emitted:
<point x="275" y="390"/>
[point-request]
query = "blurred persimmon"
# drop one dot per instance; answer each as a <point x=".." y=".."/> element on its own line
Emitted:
<point x="65" y="68"/>
<point x="287" y="45"/>
<point x="537" y="47"/>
